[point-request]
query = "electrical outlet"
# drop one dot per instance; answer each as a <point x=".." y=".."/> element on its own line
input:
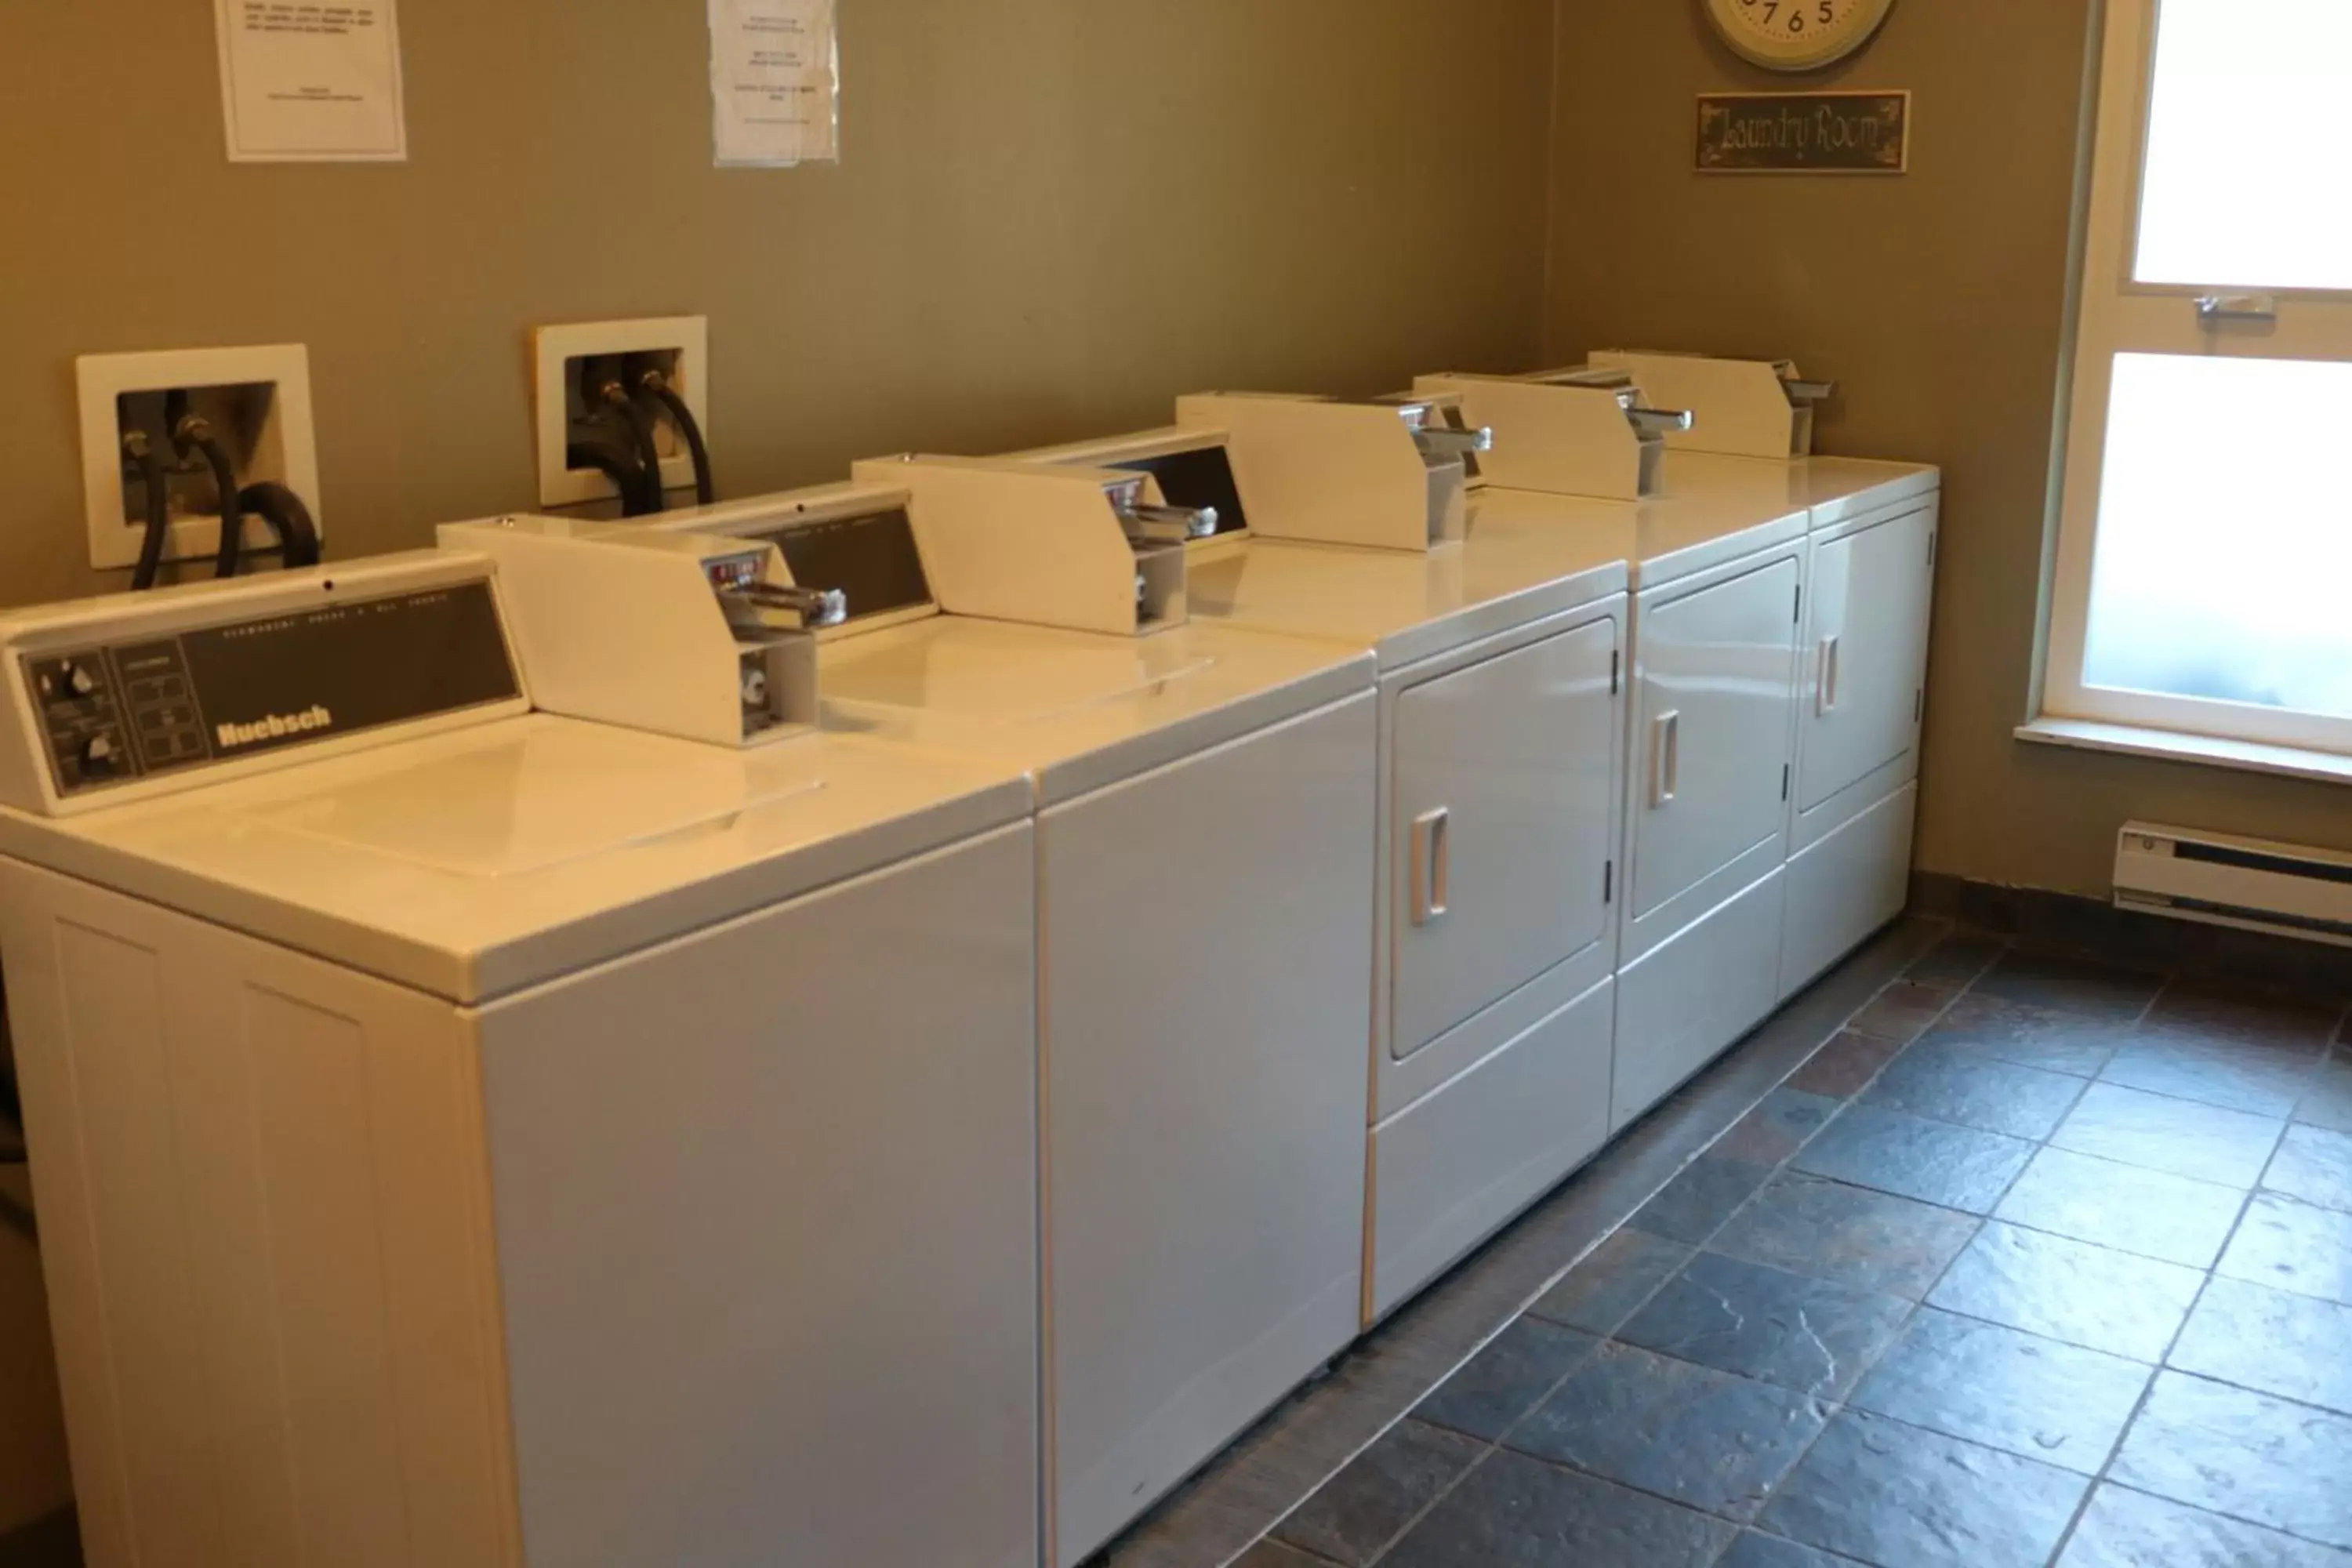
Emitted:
<point x="258" y="401"/>
<point x="575" y="361"/>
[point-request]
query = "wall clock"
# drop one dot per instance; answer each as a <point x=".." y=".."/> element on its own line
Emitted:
<point x="1797" y="35"/>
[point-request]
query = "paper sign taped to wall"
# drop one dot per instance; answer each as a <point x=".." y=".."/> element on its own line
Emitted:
<point x="774" y="82"/>
<point x="311" y="80"/>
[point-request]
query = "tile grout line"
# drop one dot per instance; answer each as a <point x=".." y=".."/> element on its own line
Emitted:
<point x="1841" y="1404"/>
<point x="2286" y="1122"/>
<point x="1501" y="1441"/>
<point x="1981" y="1220"/>
<point x="2104" y="1476"/>
<point x="1519" y="1315"/>
<point x="2092" y="1486"/>
<point x="1834" y="1407"/>
<point x="1925" y="1304"/>
<point x="1426" y="1508"/>
<point x="1599" y="1341"/>
<point x="1986" y="1219"/>
<point x="2139" y="1406"/>
<point x="1551" y="1281"/>
<point x="1493" y="1445"/>
<point x="2093" y="1481"/>
<point x="1526" y="1309"/>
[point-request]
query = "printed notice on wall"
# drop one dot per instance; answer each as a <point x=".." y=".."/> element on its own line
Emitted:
<point x="774" y="82"/>
<point x="311" y="80"/>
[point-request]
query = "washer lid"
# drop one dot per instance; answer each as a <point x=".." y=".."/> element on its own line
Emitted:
<point x="478" y="862"/>
<point x="1409" y="606"/>
<point x="1078" y="709"/>
<point x="528" y="798"/>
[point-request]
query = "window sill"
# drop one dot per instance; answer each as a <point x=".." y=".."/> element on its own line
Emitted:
<point x="2135" y="741"/>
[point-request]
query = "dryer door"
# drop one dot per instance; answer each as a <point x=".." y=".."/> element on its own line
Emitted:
<point x="1711" y="734"/>
<point x="1499" y="827"/>
<point x="1869" y="648"/>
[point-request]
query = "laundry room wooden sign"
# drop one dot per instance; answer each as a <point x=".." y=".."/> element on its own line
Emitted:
<point x="1804" y="132"/>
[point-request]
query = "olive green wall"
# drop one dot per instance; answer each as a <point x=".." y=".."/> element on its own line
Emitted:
<point x="1052" y="216"/>
<point x="1937" y="299"/>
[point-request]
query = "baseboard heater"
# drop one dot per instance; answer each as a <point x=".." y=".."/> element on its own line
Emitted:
<point x="2219" y="879"/>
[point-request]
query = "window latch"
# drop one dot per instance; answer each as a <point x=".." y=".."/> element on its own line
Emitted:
<point x="2212" y="310"/>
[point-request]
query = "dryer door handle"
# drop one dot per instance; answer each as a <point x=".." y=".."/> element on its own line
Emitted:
<point x="1826" y="698"/>
<point x="1665" y="756"/>
<point x="1431" y="866"/>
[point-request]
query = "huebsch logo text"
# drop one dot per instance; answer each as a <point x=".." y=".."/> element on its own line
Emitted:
<point x="273" y="727"/>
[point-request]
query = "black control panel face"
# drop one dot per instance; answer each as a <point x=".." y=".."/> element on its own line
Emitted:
<point x="871" y="560"/>
<point x="127" y="711"/>
<point x="1203" y="477"/>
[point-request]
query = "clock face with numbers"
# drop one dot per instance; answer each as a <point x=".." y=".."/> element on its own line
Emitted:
<point x="1797" y="35"/>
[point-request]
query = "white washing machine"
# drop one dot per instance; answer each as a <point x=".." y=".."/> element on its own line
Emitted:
<point x="467" y="1137"/>
<point x="1501" y="663"/>
<point x="1204" y="842"/>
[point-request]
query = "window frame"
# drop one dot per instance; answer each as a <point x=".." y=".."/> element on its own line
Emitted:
<point x="2118" y="314"/>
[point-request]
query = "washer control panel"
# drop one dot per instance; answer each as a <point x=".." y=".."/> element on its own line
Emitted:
<point x="114" y="711"/>
<point x="868" y="558"/>
<point x="81" y="720"/>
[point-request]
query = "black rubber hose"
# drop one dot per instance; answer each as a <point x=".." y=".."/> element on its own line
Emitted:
<point x="616" y="465"/>
<point x="618" y="431"/>
<point x="641" y="431"/>
<point x="706" y="489"/>
<point x="195" y="431"/>
<point x="142" y="451"/>
<point x="12" y="1104"/>
<point x="288" y="518"/>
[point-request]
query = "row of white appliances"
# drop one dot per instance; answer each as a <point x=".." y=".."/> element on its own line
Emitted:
<point x="1202" y="816"/>
<point x="650" y="1173"/>
<point x="1649" y="739"/>
<point x="680" y="1192"/>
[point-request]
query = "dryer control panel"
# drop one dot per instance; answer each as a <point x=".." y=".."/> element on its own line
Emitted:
<point x="112" y="711"/>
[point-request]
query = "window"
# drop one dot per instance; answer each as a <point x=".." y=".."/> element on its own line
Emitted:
<point x="2205" y="547"/>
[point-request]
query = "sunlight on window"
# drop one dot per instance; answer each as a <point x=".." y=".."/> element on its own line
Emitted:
<point x="2244" y="183"/>
<point x="2224" y="562"/>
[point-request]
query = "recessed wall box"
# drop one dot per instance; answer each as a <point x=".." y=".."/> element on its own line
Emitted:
<point x="569" y="358"/>
<point x="1740" y="407"/>
<point x="257" y="402"/>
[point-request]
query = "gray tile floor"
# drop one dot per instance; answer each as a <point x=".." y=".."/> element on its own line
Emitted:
<point x="2030" y="1261"/>
<point x="2038" y="1260"/>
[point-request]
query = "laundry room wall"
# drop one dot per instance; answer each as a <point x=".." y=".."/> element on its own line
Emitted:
<point x="1937" y="299"/>
<point x="1051" y="218"/>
